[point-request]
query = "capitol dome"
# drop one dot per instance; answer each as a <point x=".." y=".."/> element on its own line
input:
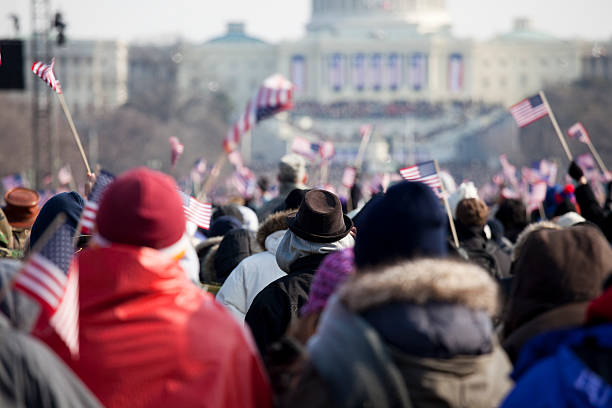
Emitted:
<point x="424" y="15"/>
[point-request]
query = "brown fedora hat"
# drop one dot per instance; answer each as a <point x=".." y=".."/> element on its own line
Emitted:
<point x="21" y="207"/>
<point x="320" y="218"/>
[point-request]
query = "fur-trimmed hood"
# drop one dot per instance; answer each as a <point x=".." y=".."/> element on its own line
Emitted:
<point x="420" y="282"/>
<point x="206" y="253"/>
<point x="273" y="223"/>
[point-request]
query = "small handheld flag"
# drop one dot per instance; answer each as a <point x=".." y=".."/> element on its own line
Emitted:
<point x="577" y="131"/>
<point x="45" y="72"/>
<point x="529" y="110"/>
<point x="177" y="149"/>
<point x="195" y="211"/>
<point x="88" y="218"/>
<point x="425" y="173"/>
<point x="51" y="279"/>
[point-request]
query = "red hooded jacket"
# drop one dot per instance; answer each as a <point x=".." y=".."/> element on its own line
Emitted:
<point x="149" y="337"/>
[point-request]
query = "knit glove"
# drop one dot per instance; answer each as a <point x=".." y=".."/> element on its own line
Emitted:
<point x="575" y="171"/>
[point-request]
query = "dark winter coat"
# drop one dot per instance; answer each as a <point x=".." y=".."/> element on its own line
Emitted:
<point x="435" y="346"/>
<point x="278" y="304"/>
<point x="592" y="211"/>
<point x="484" y="252"/>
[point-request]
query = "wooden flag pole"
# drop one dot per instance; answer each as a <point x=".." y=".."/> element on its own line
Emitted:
<point x="362" y="148"/>
<point x="214" y="173"/>
<point x="595" y="154"/>
<point x="553" y="119"/>
<point x="451" y="221"/>
<point x="77" y="139"/>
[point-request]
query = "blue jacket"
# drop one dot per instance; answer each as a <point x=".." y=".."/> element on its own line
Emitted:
<point x="550" y="374"/>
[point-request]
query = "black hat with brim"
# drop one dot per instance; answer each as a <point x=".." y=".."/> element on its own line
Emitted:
<point x="320" y="218"/>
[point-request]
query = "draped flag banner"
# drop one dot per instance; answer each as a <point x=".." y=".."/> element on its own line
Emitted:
<point x="336" y="71"/>
<point x="275" y="95"/>
<point x="418" y="71"/>
<point x="298" y="73"/>
<point x="88" y="218"/>
<point x="50" y="279"/>
<point x="45" y="72"/>
<point x="359" y="72"/>
<point x="456" y="73"/>
<point x="375" y="73"/>
<point x="394" y="72"/>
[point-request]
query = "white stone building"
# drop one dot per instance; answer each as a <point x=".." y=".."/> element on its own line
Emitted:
<point x="93" y="75"/>
<point x="386" y="55"/>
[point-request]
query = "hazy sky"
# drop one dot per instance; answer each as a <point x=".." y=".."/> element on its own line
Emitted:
<point x="285" y="19"/>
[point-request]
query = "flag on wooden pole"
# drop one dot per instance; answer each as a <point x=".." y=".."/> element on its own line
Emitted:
<point x="177" y="149"/>
<point x="577" y="131"/>
<point x="50" y="278"/>
<point x="88" y="217"/>
<point x="45" y="72"/>
<point x="275" y="95"/>
<point x="529" y="110"/>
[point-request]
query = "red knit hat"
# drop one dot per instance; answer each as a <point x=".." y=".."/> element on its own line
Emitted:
<point x="142" y="207"/>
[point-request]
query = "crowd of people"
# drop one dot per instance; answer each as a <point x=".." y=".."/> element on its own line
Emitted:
<point x="301" y="302"/>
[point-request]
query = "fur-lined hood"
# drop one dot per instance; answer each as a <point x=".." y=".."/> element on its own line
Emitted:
<point x="273" y="223"/>
<point x="207" y="263"/>
<point x="423" y="281"/>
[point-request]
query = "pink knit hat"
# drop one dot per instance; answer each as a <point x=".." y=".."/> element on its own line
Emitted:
<point x="333" y="271"/>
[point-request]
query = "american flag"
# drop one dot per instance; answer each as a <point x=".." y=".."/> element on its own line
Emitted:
<point x="12" y="181"/>
<point x="244" y="181"/>
<point x="88" y="218"/>
<point x="274" y="95"/>
<point x="348" y="177"/>
<point x="195" y="211"/>
<point x="577" y="131"/>
<point x="327" y="151"/>
<point x="365" y="131"/>
<point x="529" y="110"/>
<point x="425" y="173"/>
<point x="305" y="148"/>
<point x="52" y="280"/>
<point x="177" y="149"/>
<point x="45" y="72"/>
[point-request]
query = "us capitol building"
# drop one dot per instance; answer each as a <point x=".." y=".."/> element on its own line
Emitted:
<point x="393" y="63"/>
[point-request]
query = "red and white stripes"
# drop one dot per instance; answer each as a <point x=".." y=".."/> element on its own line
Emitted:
<point x="45" y="72"/>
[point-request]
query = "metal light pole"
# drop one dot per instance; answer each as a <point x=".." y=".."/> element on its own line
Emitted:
<point x="40" y="50"/>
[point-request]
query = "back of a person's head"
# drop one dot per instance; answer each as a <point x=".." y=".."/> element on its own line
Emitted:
<point x="142" y="207"/>
<point x="511" y="213"/>
<point x="70" y="204"/>
<point x="472" y="212"/>
<point x="407" y="222"/>
<point x="292" y="169"/>
<point x="556" y="267"/>
<point x="228" y="210"/>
